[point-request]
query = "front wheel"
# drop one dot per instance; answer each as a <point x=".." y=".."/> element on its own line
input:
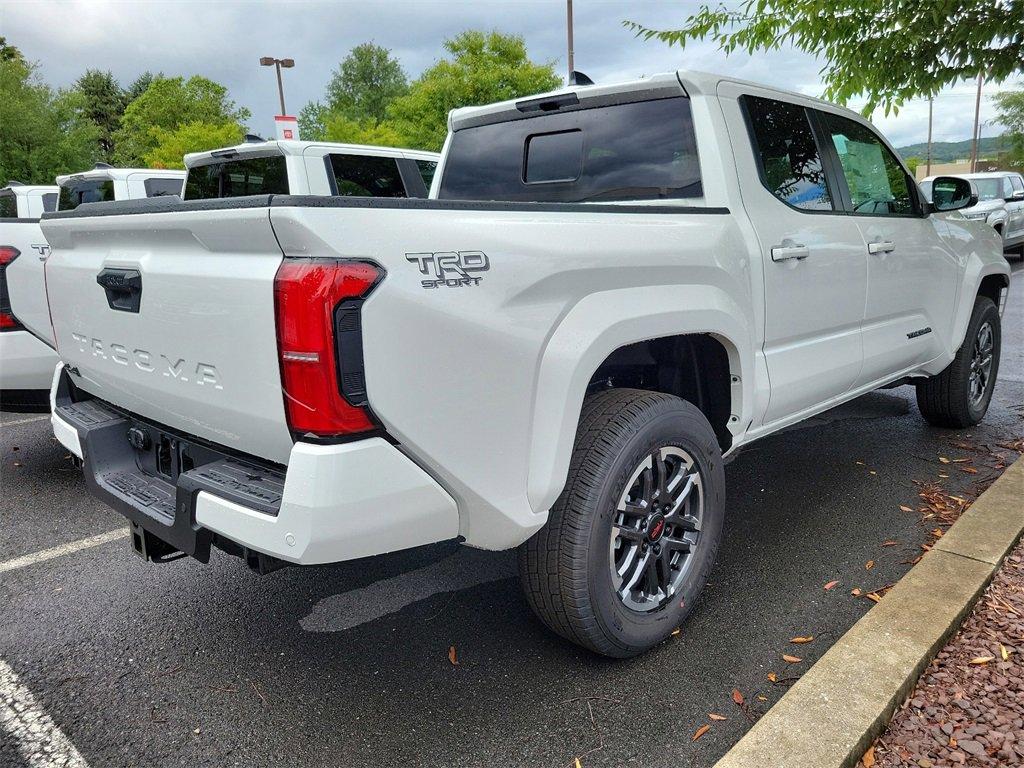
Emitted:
<point x="630" y="542"/>
<point x="959" y="396"/>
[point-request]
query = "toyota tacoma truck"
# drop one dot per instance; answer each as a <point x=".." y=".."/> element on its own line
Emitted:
<point x="612" y="289"/>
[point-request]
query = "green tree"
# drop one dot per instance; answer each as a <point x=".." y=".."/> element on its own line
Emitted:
<point x="483" y="68"/>
<point x="167" y="103"/>
<point x="312" y="119"/>
<point x="139" y="86"/>
<point x="912" y="163"/>
<point x="172" y="144"/>
<point x="1010" y="114"/>
<point x="886" y="50"/>
<point x="42" y="133"/>
<point x="10" y="52"/>
<point x="105" y="102"/>
<point x="348" y="131"/>
<point x="365" y="83"/>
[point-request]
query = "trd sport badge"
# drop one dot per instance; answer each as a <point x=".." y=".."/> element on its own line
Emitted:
<point x="451" y="269"/>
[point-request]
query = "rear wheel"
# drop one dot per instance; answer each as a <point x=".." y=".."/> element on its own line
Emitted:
<point x="959" y="396"/>
<point x="631" y="540"/>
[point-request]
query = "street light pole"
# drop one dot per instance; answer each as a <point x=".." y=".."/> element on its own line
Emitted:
<point x="568" y="14"/>
<point x="267" y="61"/>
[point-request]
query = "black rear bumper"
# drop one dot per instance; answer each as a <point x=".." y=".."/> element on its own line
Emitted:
<point x="152" y="476"/>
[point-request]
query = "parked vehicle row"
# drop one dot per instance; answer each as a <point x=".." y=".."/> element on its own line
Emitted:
<point x="27" y="355"/>
<point x="611" y="290"/>
<point x="1000" y="205"/>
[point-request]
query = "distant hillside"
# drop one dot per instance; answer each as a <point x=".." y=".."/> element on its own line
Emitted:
<point x="948" y="151"/>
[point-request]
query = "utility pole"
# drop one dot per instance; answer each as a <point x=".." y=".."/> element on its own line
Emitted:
<point x="977" y="125"/>
<point x="568" y="14"/>
<point x="928" y="161"/>
<point x="270" y="61"/>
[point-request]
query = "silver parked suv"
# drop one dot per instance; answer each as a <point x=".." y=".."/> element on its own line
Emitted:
<point x="1000" y="203"/>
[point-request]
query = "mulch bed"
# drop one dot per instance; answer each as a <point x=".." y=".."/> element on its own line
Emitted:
<point x="968" y="706"/>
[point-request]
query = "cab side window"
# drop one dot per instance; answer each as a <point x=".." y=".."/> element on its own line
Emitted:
<point x="786" y="153"/>
<point x="877" y="182"/>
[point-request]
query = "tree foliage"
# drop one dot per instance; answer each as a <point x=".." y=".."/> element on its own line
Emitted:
<point x="366" y="83"/>
<point x="197" y="136"/>
<point x="104" y="102"/>
<point x="483" y="68"/>
<point x="888" y="51"/>
<point x="1010" y="114"/>
<point x="170" y="102"/>
<point x="312" y="119"/>
<point x="44" y="133"/>
<point x="10" y="52"/>
<point x="348" y="131"/>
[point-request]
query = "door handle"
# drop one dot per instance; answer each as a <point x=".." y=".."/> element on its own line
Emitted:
<point x="882" y="246"/>
<point x="123" y="288"/>
<point x="790" y="250"/>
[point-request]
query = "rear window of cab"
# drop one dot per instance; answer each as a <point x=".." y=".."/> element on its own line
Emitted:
<point x="8" y="206"/>
<point x="237" y="177"/>
<point x="74" y="192"/>
<point x="644" y="150"/>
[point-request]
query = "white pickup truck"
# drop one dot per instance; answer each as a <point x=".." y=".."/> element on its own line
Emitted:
<point x="26" y="364"/>
<point x="615" y="288"/>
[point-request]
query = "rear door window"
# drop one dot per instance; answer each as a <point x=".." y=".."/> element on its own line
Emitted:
<point x="786" y="153"/>
<point x="366" y="176"/>
<point x="49" y="202"/>
<point x="643" y="150"/>
<point x="8" y="206"/>
<point x="75" y="192"/>
<point x="162" y="187"/>
<point x="238" y="178"/>
<point x="1017" y="183"/>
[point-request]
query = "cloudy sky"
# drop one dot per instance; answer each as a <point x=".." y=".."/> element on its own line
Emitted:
<point x="224" y="39"/>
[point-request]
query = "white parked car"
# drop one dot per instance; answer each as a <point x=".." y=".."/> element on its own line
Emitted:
<point x="1000" y="204"/>
<point x="615" y="288"/>
<point x="26" y="364"/>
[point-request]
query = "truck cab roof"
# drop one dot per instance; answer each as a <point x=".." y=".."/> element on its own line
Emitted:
<point x="102" y="172"/>
<point x="662" y="85"/>
<point x="303" y="148"/>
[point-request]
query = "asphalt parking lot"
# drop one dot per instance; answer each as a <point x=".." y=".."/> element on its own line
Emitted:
<point x="121" y="663"/>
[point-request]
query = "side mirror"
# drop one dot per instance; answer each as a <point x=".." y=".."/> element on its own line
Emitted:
<point x="951" y="193"/>
<point x="1018" y="194"/>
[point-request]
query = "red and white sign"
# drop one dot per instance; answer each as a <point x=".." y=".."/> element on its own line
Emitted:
<point x="287" y="127"/>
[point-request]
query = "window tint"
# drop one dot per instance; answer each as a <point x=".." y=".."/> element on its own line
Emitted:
<point x="787" y="154"/>
<point x="8" y="206"/>
<point x="161" y="187"/>
<point x="1017" y="183"/>
<point x="427" y="169"/>
<point x="238" y="178"/>
<point x="75" y="192"/>
<point x="49" y="202"/>
<point x="878" y="184"/>
<point x="361" y="176"/>
<point x="640" y="151"/>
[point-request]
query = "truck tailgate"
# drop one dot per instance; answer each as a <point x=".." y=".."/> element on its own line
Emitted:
<point x="170" y="315"/>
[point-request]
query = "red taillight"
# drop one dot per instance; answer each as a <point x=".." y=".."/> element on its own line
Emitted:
<point x="306" y="294"/>
<point x="8" y="322"/>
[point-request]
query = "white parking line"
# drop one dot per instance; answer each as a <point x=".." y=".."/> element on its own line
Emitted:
<point x="465" y="569"/>
<point x="63" y="549"/>
<point x="16" y="422"/>
<point x="38" y="739"/>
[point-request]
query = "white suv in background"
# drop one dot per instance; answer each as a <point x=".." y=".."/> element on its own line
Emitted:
<point x="1000" y="204"/>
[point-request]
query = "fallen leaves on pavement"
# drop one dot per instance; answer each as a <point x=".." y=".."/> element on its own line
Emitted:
<point x="452" y="657"/>
<point x="831" y="584"/>
<point x="701" y="731"/>
<point x="716" y="716"/>
<point x="800" y="640"/>
<point x="737" y="697"/>
<point x="791" y="659"/>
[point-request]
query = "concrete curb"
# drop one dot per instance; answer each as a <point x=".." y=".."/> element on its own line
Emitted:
<point x="834" y="712"/>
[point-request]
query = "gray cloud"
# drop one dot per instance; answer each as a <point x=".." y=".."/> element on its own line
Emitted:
<point x="223" y="40"/>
